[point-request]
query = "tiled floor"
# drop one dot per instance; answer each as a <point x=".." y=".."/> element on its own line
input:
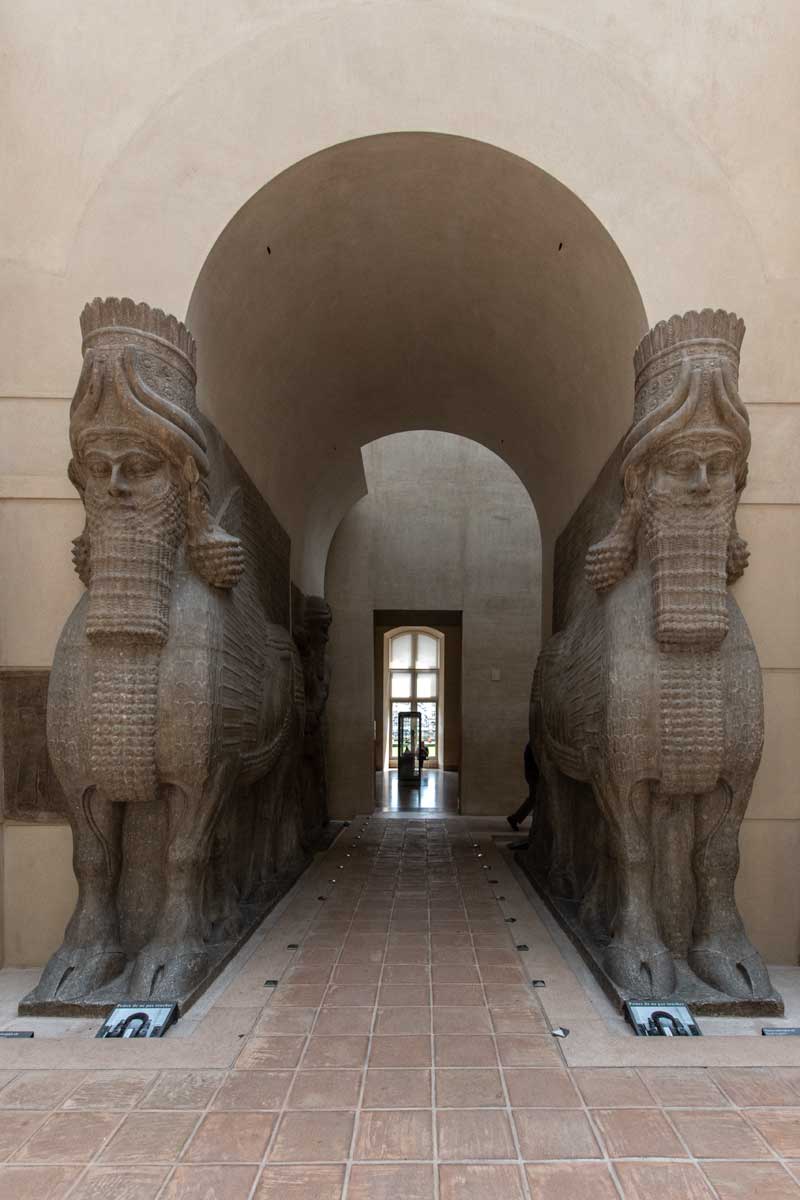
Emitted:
<point x="403" y="1054"/>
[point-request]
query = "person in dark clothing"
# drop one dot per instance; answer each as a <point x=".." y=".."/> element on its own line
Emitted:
<point x="531" y="778"/>
<point x="422" y="754"/>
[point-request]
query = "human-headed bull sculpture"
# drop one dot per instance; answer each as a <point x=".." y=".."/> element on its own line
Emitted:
<point x="646" y="712"/>
<point x="311" y="635"/>
<point x="176" y="708"/>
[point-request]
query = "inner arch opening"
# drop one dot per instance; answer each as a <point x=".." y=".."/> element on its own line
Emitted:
<point x="405" y="281"/>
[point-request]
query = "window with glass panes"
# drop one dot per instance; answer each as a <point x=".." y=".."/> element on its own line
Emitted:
<point x="414" y="675"/>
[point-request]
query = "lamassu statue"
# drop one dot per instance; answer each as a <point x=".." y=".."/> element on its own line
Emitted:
<point x="311" y="636"/>
<point x="172" y="696"/>
<point x="647" y="714"/>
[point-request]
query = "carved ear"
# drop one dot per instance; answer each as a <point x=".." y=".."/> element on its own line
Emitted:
<point x="81" y="545"/>
<point x="231" y="512"/>
<point x="609" y="560"/>
<point x="738" y="555"/>
<point x="215" y="555"/>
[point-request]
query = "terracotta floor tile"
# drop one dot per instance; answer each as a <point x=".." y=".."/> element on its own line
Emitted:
<point x="612" y="1087"/>
<point x="683" y="1087"/>
<point x="500" y="995"/>
<point x="449" y="973"/>
<point x="662" y="1181"/>
<point x="301" y="996"/>
<point x="509" y="958"/>
<point x="300" y="1183"/>
<point x="781" y="1128"/>
<point x="307" y="975"/>
<point x="285" y="1021"/>
<point x="403" y="1020"/>
<point x="15" y="1127"/>
<point x="325" y="1089"/>
<point x="343" y="996"/>
<point x="637" y="1133"/>
<point x="210" y="1183"/>
<point x="119" y="1183"/>
<point x="537" y="1051"/>
<point x="183" y="1089"/>
<point x="715" y="1134"/>
<point x="412" y="1050"/>
<point x="332" y="1051"/>
<point x="541" y="1087"/>
<point x="391" y="1181"/>
<point x="405" y="975"/>
<point x="231" y="1137"/>
<point x="37" y="1183"/>
<point x="261" y="1053"/>
<point x="111" y="1089"/>
<point x="491" y="1182"/>
<point x="745" y="1180"/>
<point x="313" y="1137"/>
<point x="40" y="1089"/>
<point x="457" y="955"/>
<point x="461" y="1020"/>
<point x="396" y="955"/>
<point x="755" y="1087"/>
<point x="253" y="1090"/>
<point x="400" y="1088"/>
<point x="470" y="1087"/>
<point x="465" y="1051"/>
<point x="554" y="1133"/>
<point x="396" y="1133"/>
<point x="357" y="974"/>
<point x="343" y="1022"/>
<point x="150" y="1137"/>
<point x="458" y="994"/>
<point x="570" y="1181"/>
<point x="474" y="1133"/>
<point x="500" y="973"/>
<point x="69" y="1137"/>
<point x="404" y="996"/>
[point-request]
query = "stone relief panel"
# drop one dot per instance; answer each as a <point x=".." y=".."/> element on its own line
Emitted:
<point x="176" y="705"/>
<point x="31" y="791"/>
<point x="646" y="708"/>
<point x="311" y="624"/>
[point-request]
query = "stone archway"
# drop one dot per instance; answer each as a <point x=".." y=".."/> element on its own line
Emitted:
<point x="413" y="280"/>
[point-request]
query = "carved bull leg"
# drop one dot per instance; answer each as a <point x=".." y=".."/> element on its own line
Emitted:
<point x="636" y="958"/>
<point x="721" y="953"/>
<point x="90" y="955"/>
<point x="176" y="957"/>
<point x="559" y="803"/>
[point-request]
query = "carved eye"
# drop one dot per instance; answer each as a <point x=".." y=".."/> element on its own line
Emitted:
<point x="141" y="465"/>
<point x="681" y="463"/>
<point x="98" y="468"/>
<point x="720" y="464"/>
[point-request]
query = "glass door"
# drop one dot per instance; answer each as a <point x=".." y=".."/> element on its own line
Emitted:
<point x="414" y="681"/>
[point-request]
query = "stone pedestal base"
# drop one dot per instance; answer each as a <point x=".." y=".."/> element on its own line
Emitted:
<point x="104" y="1000"/>
<point x="703" y="999"/>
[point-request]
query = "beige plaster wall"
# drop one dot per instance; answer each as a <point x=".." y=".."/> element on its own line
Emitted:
<point x="445" y="525"/>
<point x="134" y="134"/>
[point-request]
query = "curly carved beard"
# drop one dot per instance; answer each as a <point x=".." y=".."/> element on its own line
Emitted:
<point x="132" y="563"/>
<point x="687" y="543"/>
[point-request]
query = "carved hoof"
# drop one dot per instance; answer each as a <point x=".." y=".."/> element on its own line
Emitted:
<point x="735" y="968"/>
<point x="647" y="972"/>
<point x="73" y="974"/>
<point x="165" y="973"/>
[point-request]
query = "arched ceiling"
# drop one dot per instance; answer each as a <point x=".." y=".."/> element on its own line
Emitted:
<point x="413" y="280"/>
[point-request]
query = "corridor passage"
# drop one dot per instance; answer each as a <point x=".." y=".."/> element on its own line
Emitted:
<point x="383" y="1042"/>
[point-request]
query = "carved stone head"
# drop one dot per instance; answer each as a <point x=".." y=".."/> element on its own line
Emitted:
<point x="140" y="464"/>
<point x="684" y="466"/>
